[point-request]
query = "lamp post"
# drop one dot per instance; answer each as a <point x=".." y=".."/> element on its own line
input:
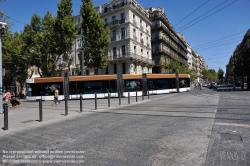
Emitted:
<point x="2" y="26"/>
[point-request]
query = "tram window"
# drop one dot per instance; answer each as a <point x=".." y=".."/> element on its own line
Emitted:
<point x="75" y="87"/>
<point x="132" y="84"/>
<point x="162" y="84"/>
<point x="110" y="86"/>
<point x="159" y="84"/>
<point x="49" y="87"/>
<point x="184" y="83"/>
<point x="92" y="87"/>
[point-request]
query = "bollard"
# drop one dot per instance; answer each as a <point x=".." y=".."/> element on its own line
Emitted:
<point x="119" y="98"/>
<point x="128" y="97"/>
<point x="142" y="97"/>
<point x="6" y="122"/>
<point x="136" y="96"/>
<point x="95" y="101"/>
<point x="80" y="102"/>
<point x="66" y="105"/>
<point x="40" y="111"/>
<point x="109" y="100"/>
<point x="148" y="93"/>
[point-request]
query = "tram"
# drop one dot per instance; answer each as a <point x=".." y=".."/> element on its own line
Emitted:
<point x="102" y="85"/>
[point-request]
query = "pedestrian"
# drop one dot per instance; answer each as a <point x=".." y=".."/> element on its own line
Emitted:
<point x="233" y="86"/>
<point x="7" y="96"/>
<point x="56" y="100"/>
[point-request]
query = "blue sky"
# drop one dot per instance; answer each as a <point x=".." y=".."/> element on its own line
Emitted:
<point x="214" y="37"/>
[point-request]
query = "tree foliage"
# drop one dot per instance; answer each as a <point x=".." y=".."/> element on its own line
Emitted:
<point x="209" y="75"/>
<point x="220" y="74"/>
<point x="95" y="37"/>
<point x="50" y="38"/>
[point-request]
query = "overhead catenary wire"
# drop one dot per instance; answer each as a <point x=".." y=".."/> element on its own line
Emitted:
<point x="209" y="15"/>
<point x="219" y="45"/>
<point x="219" y="39"/>
<point x="204" y="14"/>
<point x="216" y="43"/>
<point x="192" y="12"/>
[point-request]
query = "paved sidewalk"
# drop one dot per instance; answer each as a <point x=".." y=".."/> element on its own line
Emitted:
<point x="27" y="114"/>
<point x="230" y="138"/>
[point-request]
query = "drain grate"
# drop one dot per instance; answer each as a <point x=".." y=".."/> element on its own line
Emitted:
<point x="231" y="137"/>
<point x="27" y="121"/>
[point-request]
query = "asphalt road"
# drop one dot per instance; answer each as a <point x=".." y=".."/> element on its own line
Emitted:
<point x="170" y="129"/>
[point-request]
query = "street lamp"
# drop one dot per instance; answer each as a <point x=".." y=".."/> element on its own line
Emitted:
<point x="2" y="27"/>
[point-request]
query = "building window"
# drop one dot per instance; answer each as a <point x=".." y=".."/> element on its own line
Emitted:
<point x="123" y="50"/>
<point x="96" y="71"/>
<point x="123" y="33"/>
<point x="147" y="55"/>
<point x="133" y="16"/>
<point x="115" y="69"/>
<point x="113" y="19"/>
<point x="141" y="51"/>
<point x="122" y="18"/>
<point x="79" y="43"/>
<point x="135" y="49"/>
<point x="114" y="36"/>
<point x="123" y="68"/>
<point x="79" y="31"/>
<point x="78" y="20"/>
<point x="114" y="52"/>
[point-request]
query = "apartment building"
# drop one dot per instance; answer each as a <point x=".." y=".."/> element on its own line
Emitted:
<point x="166" y="43"/>
<point x="130" y="33"/>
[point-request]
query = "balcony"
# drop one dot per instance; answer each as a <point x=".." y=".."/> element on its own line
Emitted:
<point x="133" y="56"/>
<point x="123" y="37"/>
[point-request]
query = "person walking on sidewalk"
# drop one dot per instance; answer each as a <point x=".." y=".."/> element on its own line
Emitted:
<point x="56" y="93"/>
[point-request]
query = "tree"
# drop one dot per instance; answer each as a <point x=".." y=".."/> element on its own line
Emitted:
<point x="163" y="64"/>
<point x="65" y="31"/>
<point x="95" y="37"/>
<point x="50" y="38"/>
<point x="174" y="66"/>
<point x="220" y="74"/>
<point x="32" y="39"/>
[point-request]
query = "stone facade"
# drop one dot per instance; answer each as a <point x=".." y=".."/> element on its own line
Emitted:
<point x="166" y="44"/>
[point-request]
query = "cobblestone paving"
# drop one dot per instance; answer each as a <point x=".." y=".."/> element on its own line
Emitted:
<point x="230" y="138"/>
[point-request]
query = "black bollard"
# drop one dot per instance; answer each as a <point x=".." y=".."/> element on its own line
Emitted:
<point x="40" y="111"/>
<point x="95" y="101"/>
<point x="142" y="97"/>
<point x="109" y="100"/>
<point x="148" y="94"/>
<point x="80" y="102"/>
<point x="136" y="96"/>
<point x="128" y="98"/>
<point x="119" y="98"/>
<point x="6" y="122"/>
<point x="66" y="105"/>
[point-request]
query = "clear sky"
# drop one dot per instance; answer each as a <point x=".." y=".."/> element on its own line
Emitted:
<point x="215" y="37"/>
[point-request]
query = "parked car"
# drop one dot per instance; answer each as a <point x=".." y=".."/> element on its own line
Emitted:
<point x="206" y="84"/>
